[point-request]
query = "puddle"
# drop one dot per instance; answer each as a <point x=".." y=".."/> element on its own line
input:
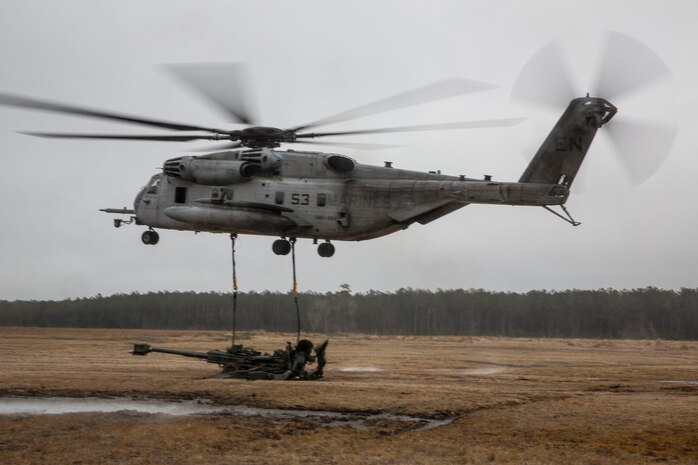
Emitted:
<point x="481" y="371"/>
<point x="360" y="369"/>
<point x="61" y="405"/>
<point x="484" y="371"/>
<point x="680" y="382"/>
<point x="64" y="405"/>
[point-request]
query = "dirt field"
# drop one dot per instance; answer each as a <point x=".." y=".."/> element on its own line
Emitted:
<point x="511" y="401"/>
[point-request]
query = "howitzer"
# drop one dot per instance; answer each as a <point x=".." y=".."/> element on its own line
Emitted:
<point x="246" y="363"/>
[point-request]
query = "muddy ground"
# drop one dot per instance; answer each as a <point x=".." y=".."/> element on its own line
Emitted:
<point x="511" y="401"/>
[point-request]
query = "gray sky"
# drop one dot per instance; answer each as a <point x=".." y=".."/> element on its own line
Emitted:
<point x="310" y="59"/>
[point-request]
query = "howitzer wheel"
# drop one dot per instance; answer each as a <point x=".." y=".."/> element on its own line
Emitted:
<point x="230" y="367"/>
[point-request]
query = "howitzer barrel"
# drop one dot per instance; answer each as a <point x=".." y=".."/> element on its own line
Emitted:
<point x="241" y="358"/>
<point x="145" y="349"/>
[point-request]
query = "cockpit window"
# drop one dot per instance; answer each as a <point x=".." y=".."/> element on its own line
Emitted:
<point x="153" y="185"/>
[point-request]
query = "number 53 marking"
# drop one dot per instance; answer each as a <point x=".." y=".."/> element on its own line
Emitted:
<point x="300" y="199"/>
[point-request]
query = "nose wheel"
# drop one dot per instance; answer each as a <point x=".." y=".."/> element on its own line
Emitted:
<point x="150" y="237"/>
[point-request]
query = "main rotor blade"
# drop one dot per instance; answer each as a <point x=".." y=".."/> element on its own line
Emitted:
<point x="643" y="147"/>
<point x="35" y="104"/>
<point x="627" y="65"/>
<point x="492" y="123"/>
<point x="171" y="138"/>
<point x="350" y="145"/>
<point x="217" y="148"/>
<point x="545" y="79"/>
<point x="223" y="84"/>
<point x="437" y="91"/>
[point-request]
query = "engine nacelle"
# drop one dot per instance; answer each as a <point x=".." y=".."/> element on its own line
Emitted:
<point x="209" y="172"/>
<point x="339" y="163"/>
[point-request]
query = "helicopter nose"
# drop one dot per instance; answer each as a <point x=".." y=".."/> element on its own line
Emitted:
<point x="138" y="204"/>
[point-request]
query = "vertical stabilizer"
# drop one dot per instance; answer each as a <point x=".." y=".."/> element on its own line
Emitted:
<point x="559" y="158"/>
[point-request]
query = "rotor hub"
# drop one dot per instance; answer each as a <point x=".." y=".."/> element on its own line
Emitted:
<point x="262" y="136"/>
<point x="595" y="112"/>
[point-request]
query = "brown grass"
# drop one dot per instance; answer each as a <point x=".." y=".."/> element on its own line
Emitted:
<point x="514" y="401"/>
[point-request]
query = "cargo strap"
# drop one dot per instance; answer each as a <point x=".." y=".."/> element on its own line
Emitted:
<point x="235" y="288"/>
<point x="294" y="290"/>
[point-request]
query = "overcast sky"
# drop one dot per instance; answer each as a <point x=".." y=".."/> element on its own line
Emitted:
<point x="310" y="59"/>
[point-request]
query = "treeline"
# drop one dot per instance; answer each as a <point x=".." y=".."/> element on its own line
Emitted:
<point x="606" y="313"/>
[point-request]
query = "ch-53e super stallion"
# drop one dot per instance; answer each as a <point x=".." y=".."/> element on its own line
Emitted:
<point x="251" y="186"/>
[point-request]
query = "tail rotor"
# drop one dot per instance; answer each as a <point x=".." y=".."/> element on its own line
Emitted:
<point x="627" y="69"/>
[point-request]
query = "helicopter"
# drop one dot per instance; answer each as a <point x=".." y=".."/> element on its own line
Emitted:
<point x="250" y="185"/>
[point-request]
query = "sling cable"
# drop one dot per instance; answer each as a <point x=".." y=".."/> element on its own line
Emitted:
<point x="294" y="289"/>
<point x="235" y="289"/>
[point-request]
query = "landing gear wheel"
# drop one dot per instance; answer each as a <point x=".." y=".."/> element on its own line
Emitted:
<point x="281" y="247"/>
<point x="325" y="249"/>
<point x="150" y="237"/>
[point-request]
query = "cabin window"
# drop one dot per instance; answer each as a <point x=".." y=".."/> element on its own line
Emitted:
<point x="321" y="200"/>
<point x="180" y="195"/>
<point x="153" y="186"/>
<point x="279" y="198"/>
<point x="228" y="197"/>
<point x="217" y="194"/>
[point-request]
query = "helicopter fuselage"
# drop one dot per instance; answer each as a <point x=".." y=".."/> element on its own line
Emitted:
<point x="328" y="196"/>
<point x="319" y="196"/>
